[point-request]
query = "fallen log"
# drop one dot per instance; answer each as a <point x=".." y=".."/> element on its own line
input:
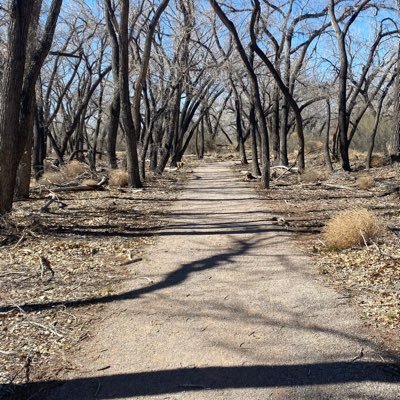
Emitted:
<point x="79" y="188"/>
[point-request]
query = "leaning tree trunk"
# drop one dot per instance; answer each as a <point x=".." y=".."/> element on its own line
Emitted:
<point x="11" y="92"/>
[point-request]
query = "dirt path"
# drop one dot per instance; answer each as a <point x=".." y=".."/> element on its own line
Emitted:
<point x="225" y="307"/>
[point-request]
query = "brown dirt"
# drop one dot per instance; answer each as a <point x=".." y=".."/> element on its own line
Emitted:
<point x="225" y="306"/>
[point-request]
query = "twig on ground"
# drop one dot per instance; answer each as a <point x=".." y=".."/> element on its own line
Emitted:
<point x="52" y="198"/>
<point x="131" y="261"/>
<point x="365" y="241"/>
<point x="45" y="327"/>
<point x="361" y="355"/>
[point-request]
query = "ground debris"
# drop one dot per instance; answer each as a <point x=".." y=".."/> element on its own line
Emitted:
<point x="53" y="259"/>
<point x="370" y="275"/>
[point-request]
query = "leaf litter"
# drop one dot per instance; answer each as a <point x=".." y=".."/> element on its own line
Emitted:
<point x="368" y="274"/>
<point x="70" y="254"/>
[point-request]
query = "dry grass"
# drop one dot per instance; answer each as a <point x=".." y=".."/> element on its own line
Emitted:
<point x="313" y="175"/>
<point x="377" y="161"/>
<point x="118" y="178"/>
<point x="314" y="146"/>
<point x="366" y="182"/>
<point x="89" y="182"/>
<point x="351" y="227"/>
<point x="54" y="178"/>
<point x="74" y="169"/>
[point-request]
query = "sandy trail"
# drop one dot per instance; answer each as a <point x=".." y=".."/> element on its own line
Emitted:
<point x="225" y="307"/>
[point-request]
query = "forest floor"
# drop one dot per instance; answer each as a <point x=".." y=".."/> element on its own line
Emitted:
<point x="222" y="305"/>
<point x="90" y="245"/>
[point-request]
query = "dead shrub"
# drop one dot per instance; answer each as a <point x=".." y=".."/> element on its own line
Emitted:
<point x="118" y="178"/>
<point x="351" y="227"/>
<point x="366" y="182"/>
<point x="314" y="146"/>
<point x="53" y="178"/>
<point x="74" y="168"/>
<point x="89" y="182"/>
<point x="377" y="161"/>
<point x="51" y="165"/>
<point x="312" y="175"/>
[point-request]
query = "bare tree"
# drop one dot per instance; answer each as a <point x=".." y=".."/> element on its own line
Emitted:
<point x="11" y="92"/>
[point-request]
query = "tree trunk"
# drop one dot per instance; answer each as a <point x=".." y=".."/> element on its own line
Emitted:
<point x="200" y="141"/>
<point x="275" y="137"/>
<point x="394" y="144"/>
<point x="239" y="133"/>
<point x="126" y="114"/>
<point x="254" y="147"/>
<point x="265" y="164"/>
<point x="39" y="143"/>
<point x="327" y="154"/>
<point x="11" y="92"/>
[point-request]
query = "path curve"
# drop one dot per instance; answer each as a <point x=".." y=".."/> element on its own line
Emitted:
<point x="224" y="306"/>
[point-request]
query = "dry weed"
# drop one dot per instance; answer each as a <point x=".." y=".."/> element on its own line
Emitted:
<point x="89" y="182"/>
<point x="377" y="161"/>
<point x="314" y="146"/>
<point x="54" y="178"/>
<point x="313" y="175"/>
<point x="352" y="227"/>
<point x="118" y="178"/>
<point x="366" y="182"/>
<point x="74" y="168"/>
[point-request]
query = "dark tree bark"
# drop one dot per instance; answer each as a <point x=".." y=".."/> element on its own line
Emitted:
<point x="239" y="132"/>
<point x="126" y="114"/>
<point x="11" y="93"/>
<point x="28" y="100"/>
<point x="111" y="127"/>
<point x="394" y="143"/>
<point x="343" y="117"/>
<point x="254" y="144"/>
<point x="327" y="154"/>
<point x="39" y="142"/>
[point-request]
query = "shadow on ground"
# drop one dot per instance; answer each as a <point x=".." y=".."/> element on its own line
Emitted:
<point x="217" y="378"/>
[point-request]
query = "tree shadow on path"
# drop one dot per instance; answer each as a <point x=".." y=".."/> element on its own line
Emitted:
<point x="180" y="380"/>
<point x="174" y="278"/>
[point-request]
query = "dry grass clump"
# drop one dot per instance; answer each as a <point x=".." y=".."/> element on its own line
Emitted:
<point x="366" y="182"/>
<point x="54" y="178"/>
<point x="312" y="175"/>
<point x="118" y="178"/>
<point x="314" y="145"/>
<point x="377" y="161"/>
<point x="89" y="182"/>
<point x="74" y="168"/>
<point x="350" y="228"/>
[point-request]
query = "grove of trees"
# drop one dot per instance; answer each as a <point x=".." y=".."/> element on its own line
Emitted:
<point x="158" y="78"/>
